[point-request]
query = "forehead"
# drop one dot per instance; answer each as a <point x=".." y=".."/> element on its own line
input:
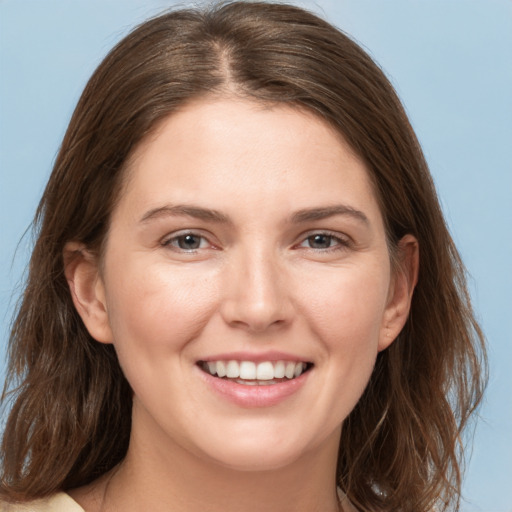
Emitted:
<point x="238" y="147"/>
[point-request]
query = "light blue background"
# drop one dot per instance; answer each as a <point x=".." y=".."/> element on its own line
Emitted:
<point x="451" y="61"/>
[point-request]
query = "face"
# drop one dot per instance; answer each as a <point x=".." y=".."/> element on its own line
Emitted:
<point x="246" y="284"/>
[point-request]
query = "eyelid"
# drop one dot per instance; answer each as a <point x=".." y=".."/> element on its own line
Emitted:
<point x="167" y="240"/>
<point x="344" y="240"/>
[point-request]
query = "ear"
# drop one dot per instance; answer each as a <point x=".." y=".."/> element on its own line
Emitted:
<point x="87" y="290"/>
<point x="403" y="281"/>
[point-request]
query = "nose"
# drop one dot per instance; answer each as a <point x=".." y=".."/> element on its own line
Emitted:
<point x="257" y="295"/>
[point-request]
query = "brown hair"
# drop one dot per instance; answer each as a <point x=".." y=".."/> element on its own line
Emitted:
<point x="70" y="403"/>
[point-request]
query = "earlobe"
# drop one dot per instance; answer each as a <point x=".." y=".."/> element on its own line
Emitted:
<point x="87" y="290"/>
<point x="404" y="279"/>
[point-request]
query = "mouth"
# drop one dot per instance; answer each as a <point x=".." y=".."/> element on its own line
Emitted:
<point x="250" y="373"/>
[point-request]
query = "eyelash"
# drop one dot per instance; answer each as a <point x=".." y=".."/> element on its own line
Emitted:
<point x="173" y="242"/>
<point x="340" y="243"/>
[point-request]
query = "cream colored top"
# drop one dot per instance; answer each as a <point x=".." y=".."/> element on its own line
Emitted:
<point x="60" y="502"/>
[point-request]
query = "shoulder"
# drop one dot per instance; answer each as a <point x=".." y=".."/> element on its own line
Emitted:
<point x="60" y="502"/>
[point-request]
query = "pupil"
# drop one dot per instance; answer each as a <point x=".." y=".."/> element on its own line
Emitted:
<point x="189" y="242"/>
<point x="320" y="241"/>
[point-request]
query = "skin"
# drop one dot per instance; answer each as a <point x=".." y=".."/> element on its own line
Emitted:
<point x="257" y="281"/>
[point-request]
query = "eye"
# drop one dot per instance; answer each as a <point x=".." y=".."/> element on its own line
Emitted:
<point x="187" y="242"/>
<point x="320" y="241"/>
<point x="324" y="241"/>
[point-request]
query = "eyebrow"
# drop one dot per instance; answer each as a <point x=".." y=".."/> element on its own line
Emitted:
<point x="207" y="214"/>
<point x="178" y="210"/>
<point x="312" y="214"/>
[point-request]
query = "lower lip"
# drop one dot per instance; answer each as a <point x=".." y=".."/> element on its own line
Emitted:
<point x="254" y="396"/>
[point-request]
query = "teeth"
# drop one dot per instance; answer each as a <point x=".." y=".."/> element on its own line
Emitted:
<point x="250" y="373"/>
<point x="247" y="382"/>
<point x="279" y="369"/>
<point x="247" y="370"/>
<point x="232" y="370"/>
<point x="289" y="371"/>
<point x="221" y="369"/>
<point x="265" y="371"/>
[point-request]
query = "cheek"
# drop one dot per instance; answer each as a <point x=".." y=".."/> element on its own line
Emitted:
<point x="347" y="318"/>
<point x="158" y="309"/>
<point x="349" y="310"/>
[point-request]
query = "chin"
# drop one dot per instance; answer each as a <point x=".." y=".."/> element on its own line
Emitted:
<point x="256" y="460"/>
<point x="258" y="452"/>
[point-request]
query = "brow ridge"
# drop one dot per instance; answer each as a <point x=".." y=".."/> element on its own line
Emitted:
<point x="177" y="210"/>
<point x="212" y="215"/>
<point x="323" y="212"/>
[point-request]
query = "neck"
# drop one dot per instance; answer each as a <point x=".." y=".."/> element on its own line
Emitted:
<point x="160" y="475"/>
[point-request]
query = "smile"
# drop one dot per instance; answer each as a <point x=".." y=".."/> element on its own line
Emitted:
<point x="250" y="373"/>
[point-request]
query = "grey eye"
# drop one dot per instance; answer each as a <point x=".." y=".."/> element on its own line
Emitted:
<point x="188" y="242"/>
<point x="320" y="241"/>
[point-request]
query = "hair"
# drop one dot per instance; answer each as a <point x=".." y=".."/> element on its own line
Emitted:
<point x="70" y="405"/>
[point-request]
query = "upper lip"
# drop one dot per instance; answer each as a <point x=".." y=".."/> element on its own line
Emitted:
<point x="256" y="357"/>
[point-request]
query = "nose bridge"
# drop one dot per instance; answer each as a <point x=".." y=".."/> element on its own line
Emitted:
<point x="256" y="295"/>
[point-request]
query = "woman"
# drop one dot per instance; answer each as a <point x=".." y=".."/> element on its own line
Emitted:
<point x="243" y="293"/>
